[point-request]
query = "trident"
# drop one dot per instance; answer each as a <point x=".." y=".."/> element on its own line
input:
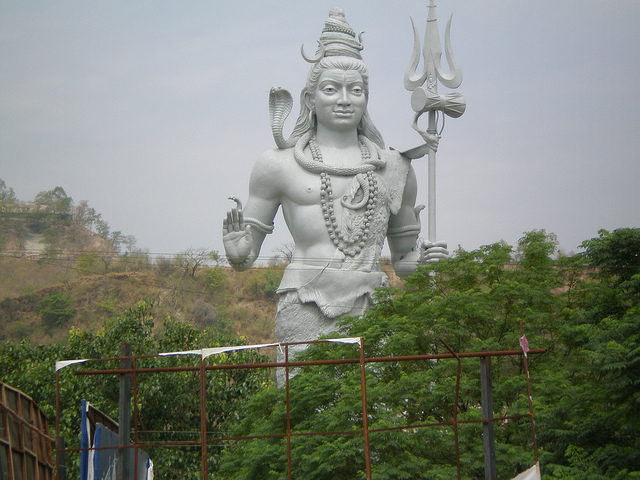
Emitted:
<point x="425" y="98"/>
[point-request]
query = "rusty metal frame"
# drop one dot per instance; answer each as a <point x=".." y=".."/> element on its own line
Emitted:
<point x="288" y="365"/>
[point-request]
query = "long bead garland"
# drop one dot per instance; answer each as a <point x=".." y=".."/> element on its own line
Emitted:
<point x="368" y="183"/>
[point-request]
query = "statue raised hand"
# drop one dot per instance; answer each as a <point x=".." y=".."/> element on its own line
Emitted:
<point x="237" y="237"/>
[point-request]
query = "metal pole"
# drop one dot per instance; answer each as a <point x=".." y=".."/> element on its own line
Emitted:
<point x="286" y="370"/>
<point x="203" y="419"/>
<point x="488" y="431"/>
<point x="365" y="413"/>
<point x="432" y="129"/>
<point x="136" y="439"/>
<point x="62" y="466"/>
<point x="59" y="440"/>
<point x="124" y="415"/>
<point x="455" y="408"/>
<point x="525" y="350"/>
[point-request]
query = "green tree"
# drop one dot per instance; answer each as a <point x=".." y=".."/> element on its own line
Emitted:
<point x="168" y="404"/>
<point x="615" y="254"/>
<point x="593" y="421"/>
<point x="84" y="215"/>
<point x="56" y="309"/>
<point x="52" y="208"/>
<point x="585" y="388"/>
<point x="192" y="259"/>
<point x="474" y="301"/>
<point x="56" y="201"/>
<point x="7" y="195"/>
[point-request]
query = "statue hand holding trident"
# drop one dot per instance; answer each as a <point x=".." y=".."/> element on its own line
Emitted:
<point x="425" y="99"/>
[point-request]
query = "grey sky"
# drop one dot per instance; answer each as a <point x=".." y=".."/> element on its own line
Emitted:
<point x="154" y="111"/>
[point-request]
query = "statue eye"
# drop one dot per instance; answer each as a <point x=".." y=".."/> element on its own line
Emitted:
<point x="356" y="90"/>
<point x="329" y="90"/>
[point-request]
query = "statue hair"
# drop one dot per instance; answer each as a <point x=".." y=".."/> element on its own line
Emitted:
<point x="307" y="119"/>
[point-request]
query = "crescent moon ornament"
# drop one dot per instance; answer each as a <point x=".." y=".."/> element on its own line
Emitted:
<point x="319" y="54"/>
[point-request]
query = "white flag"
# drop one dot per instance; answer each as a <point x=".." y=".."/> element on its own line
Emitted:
<point x="532" y="474"/>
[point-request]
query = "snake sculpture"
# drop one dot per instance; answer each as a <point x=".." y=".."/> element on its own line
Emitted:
<point x="280" y="104"/>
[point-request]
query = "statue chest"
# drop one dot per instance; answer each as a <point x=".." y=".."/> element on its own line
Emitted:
<point x="354" y="191"/>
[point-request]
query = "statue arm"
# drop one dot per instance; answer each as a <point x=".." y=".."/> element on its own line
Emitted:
<point x="404" y="228"/>
<point x="407" y="250"/>
<point x="244" y="229"/>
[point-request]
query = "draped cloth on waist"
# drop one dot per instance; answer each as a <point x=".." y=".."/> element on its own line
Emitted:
<point x="334" y="291"/>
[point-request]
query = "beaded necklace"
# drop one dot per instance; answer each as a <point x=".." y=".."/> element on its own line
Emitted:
<point x="349" y="245"/>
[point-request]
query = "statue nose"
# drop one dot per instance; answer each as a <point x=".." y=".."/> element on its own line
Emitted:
<point x="344" y="97"/>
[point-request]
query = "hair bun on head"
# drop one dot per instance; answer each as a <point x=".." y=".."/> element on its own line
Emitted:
<point x="338" y="39"/>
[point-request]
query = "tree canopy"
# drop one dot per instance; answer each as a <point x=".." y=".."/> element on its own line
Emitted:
<point x="168" y="404"/>
<point x="586" y="388"/>
<point x="583" y="309"/>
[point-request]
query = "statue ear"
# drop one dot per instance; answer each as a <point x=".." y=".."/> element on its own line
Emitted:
<point x="310" y="102"/>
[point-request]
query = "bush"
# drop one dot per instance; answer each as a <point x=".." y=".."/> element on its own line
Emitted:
<point x="215" y="279"/>
<point x="56" y="309"/>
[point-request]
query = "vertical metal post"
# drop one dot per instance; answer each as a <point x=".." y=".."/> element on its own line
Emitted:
<point x="136" y="439"/>
<point x="525" y="350"/>
<point x="488" y="434"/>
<point x="286" y="372"/>
<point x="62" y="459"/>
<point x="59" y="439"/>
<point x="432" y="129"/>
<point x="203" y="419"/>
<point x="365" y="413"/>
<point x="455" y="408"/>
<point x="124" y="413"/>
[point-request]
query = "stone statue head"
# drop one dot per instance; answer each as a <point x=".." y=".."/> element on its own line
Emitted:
<point x="338" y="49"/>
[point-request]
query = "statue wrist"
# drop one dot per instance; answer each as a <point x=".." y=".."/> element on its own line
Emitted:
<point x="240" y="265"/>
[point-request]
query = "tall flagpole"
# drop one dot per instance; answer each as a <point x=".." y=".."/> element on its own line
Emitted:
<point x="425" y="97"/>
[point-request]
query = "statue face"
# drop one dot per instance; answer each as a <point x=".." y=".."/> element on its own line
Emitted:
<point x="339" y="99"/>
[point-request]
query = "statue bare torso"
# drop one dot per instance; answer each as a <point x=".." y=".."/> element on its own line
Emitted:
<point x="277" y="179"/>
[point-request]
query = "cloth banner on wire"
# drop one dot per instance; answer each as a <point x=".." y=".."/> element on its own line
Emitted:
<point x="532" y="474"/>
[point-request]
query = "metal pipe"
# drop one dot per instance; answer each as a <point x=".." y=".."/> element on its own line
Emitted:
<point x="288" y="407"/>
<point x="135" y="420"/>
<point x="365" y="414"/>
<point x="203" y="419"/>
<point x="287" y="364"/>
<point x="497" y="353"/>
<point x="455" y="408"/>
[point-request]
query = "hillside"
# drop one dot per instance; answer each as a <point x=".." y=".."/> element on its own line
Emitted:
<point x="61" y="268"/>
<point x="243" y="304"/>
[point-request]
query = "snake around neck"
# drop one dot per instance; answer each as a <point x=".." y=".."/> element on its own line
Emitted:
<point x="352" y="237"/>
<point x="315" y="164"/>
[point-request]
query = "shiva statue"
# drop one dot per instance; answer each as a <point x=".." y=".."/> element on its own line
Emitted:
<point x="341" y="192"/>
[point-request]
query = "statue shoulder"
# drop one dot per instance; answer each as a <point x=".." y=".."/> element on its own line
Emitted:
<point x="270" y="169"/>
<point x="274" y="161"/>
<point x="396" y="163"/>
<point x="395" y="156"/>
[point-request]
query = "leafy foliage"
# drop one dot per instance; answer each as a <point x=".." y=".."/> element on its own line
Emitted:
<point x="584" y="309"/>
<point x="56" y="309"/>
<point x="594" y="424"/>
<point x="585" y="388"/>
<point x="168" y="404"/>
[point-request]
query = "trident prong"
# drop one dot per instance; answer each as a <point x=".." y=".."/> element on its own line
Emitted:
<point x="425" y="97"/>
<point x="432" y="50"/>
<point x="454" y="78"/>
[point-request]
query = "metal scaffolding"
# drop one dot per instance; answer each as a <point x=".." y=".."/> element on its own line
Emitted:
<point x="129" y="369"/>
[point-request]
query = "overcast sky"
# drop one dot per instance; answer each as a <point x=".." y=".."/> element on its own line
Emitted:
<point x="154" y="111"/>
